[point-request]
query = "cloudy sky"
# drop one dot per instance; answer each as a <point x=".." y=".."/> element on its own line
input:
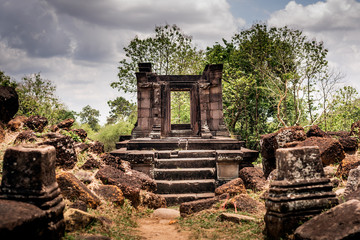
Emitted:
<point x="78" y="44"/>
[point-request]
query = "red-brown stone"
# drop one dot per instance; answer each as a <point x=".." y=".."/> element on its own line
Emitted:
<point x="36" y="123"/>
<point x="331" y="151"/>
<point x="348" y="163"/>
<point x="253" y="178"/>
<point x="233" y="187"/>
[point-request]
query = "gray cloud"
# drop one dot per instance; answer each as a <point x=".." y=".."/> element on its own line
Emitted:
<point x="77" y="44"/>
<point x="30" y="26"/>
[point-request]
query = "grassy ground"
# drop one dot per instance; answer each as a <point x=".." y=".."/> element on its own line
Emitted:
<point x="205" y="225"/>
<point x="117" y="222"/>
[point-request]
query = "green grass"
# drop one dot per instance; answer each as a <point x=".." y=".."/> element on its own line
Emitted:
<point x="204" y="225"/>
<point x="122" y="227"/>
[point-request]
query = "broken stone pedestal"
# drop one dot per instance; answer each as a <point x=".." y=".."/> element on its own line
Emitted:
<point x="300" y="191"/>
<point x="29" y="176"/>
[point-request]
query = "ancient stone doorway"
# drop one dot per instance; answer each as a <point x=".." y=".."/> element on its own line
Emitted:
<point x="180" y="107"/>
<point x="154" y="103"/>
<point x="180" y="114"/>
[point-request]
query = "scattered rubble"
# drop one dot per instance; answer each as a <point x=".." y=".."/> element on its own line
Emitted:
<point x="340" y="222"/>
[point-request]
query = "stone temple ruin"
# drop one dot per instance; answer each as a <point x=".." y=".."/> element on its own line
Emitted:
<point x="299" y="192"/>
<point x="186" y="160"/>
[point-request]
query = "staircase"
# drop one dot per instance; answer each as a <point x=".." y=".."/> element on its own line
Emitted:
<point x="185" y="175"/>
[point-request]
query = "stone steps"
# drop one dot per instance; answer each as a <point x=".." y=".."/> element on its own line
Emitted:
<point x="185" y="186"/>
<point x="179" y="163"/>
<point x="186" y="154"/>
<point x="174" y="199"/>
<point x="184" y="173"/>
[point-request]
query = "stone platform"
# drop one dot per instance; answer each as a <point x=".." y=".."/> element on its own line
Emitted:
<point x="187" y="169"/>
<point x="170" y="143"/>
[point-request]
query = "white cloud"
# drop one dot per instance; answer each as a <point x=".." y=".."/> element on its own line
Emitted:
<point x="77" y="44"/>
<point x="336" y="23"/>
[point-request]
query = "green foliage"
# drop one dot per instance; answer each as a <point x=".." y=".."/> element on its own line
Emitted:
<point x="90" y="116"/>
<point x="121" y="109"/>
<point x="268" y="79"/>
<point x="345" y="110"/>
<point x="180" y="107"/>
<point x="170" y="51"/>
<point x="109" y="134"/>
<point x="71" y="134"/>
<point x="37" y="97"/>
<point x="6" y="80"/>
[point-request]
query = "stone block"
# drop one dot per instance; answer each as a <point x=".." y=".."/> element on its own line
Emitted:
<point x="65" y="152"/>
<point x="214" y="124"/>
<point x="235" y="218"/>
<point x="76" y="219"/>
<point x="215" y="106"/>
<point x="215" y="90"/>
<point x="299" y="163"/>
<point x="348" y="163"/>
<point x="143" y="123"/>
<point x="188" y="208"/>
<point x="339" y="222"/>
<point x="29" y="176"/>
<point x="217" y="97"/>
<point x="110" y="193"/>
<point x="145" y="103"/>
<point x="29" y="169"/>
<point x="152" y="200"/>
<point x="350" y="144"/>
<point x="331" y="151"/>
<point x="227" y="170"/>
<point x="22" y="221"/>
<point x="235" y="186"/>
<point x="353" y="181"/>
<point x="300" y="192"/>
<point x="73" y="189"/>
<point x="253" y="178"/>
<point x="216" y="114"/>
<point x="144" y="112"/>
<point x="144" y="94"/>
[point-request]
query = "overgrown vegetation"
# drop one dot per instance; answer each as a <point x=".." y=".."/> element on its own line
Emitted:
<point x="119" y="222"/>
<point x="109" y="134"/>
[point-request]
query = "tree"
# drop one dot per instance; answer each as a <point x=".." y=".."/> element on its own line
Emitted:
<point x="121" y="109"/>
<point x="345" y="109"/>
<point x="327" y="84"/>
<point x="6" y="80"/>
<point x="180" y="107"/>
<point x="37" y="97"/>
<point x="170" y="51"/>
<point x="265" y="69"/>
<point x="90" y="116"/>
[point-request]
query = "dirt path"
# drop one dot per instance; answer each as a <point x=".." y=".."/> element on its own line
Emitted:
<point x="160" y="229"/>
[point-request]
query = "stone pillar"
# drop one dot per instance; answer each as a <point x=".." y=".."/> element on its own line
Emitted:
<point x="144" y="97"/>
<point x="204" y="109"/>
<point x="300" y="191"/>
<point x="215" y="114"/>
<point x="156" y="112"/>
<point x="29" y="176"/>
